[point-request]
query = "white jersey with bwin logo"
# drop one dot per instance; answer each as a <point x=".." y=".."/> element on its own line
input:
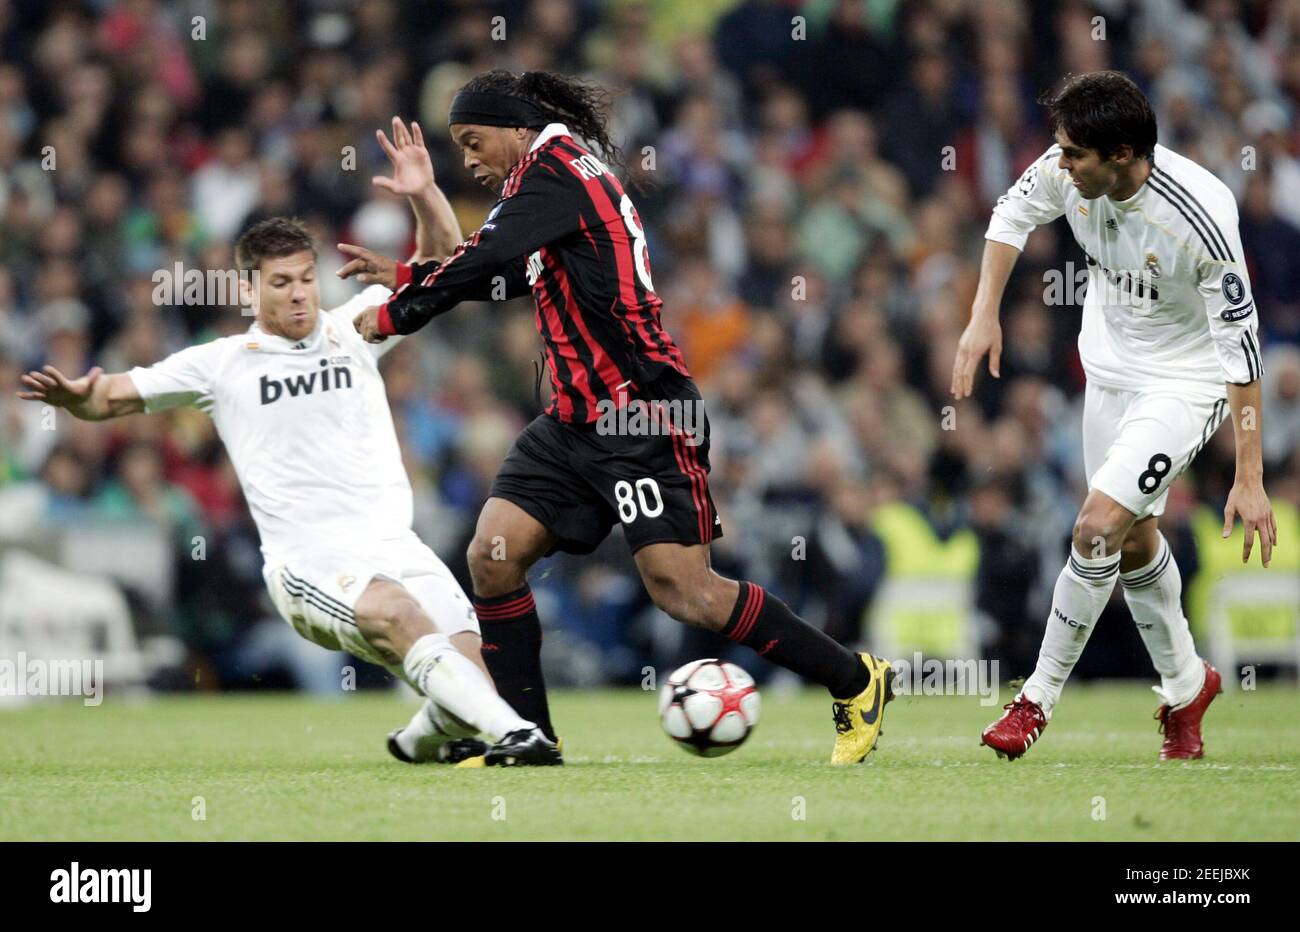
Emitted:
<point x="309" y="431"/>
<point x="1169" y="298"/>
<point x="306" y="424"/>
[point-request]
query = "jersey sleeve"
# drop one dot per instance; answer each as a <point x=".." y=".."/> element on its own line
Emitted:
<point x="1224" y="285"/>
<point x="183" y="379"/>
<point x="505" y="282"/>
<point x="543" y="208"/>
<point x="1037" y="197"/>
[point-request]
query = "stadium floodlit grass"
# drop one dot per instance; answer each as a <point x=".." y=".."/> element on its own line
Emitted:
<point x="278" y="767"/>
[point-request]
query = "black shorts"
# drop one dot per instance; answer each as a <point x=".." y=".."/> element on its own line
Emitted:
<point x="647" y="469"/>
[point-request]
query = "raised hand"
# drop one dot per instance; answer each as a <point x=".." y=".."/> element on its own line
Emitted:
<point x="412" y="167"/>
<point x="54" y="388"/>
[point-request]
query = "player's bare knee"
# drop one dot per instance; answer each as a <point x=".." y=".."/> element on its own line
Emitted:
<point x="394" y="624"/>
<point x="490" y="569"/>
<point x="1097" y="534"/>
<point x="409" y="621"/>
<point x="378" y="638"/>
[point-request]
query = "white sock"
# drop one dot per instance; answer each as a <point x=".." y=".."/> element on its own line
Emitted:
<point x="1154" y="596"/>
<point x="420" y="736"/>
<point x="1082" y="591"/>
<point x="454" y="683"/>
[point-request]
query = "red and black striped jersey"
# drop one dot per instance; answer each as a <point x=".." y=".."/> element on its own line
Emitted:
<point x="565" y="229"/>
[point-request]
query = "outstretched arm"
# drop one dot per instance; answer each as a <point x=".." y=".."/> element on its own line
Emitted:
<point x="505" y="282"/>
<point x="93" y="397"/>
<point x="541" y="208"/>
<point x="437" y="234"/>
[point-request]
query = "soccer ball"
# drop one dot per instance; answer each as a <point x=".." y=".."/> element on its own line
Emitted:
<point x="709" y="707"/>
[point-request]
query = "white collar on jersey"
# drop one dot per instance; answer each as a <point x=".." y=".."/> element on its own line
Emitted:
<point x="262" y="341"/>
<point x="550" y="131"/>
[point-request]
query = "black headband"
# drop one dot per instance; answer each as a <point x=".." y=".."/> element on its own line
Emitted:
<point x="489" y="108"/>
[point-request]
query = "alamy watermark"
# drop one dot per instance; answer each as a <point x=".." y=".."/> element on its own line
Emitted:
<point x="77" y="884"/>
<point x="652" y="418"/>
<point x="34" y="676"/>
<point x="1135" y="288"/>
<point x="952" y="677"/>
<point x="179" y="286"/>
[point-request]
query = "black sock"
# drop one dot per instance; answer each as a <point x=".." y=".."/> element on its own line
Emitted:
<point x="763" y="622"/>
<point x="512" y="650"/>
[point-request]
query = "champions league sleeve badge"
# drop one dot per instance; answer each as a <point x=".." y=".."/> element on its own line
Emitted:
<point x="1234" y="289"/>
<point x="1234" y="292"/>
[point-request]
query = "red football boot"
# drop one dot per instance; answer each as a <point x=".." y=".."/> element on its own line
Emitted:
<point x="1182" y="727"/>
<point x="1014" y="732"/>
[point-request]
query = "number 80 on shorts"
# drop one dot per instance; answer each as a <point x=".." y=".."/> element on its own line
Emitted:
<point x="639" y="500"/>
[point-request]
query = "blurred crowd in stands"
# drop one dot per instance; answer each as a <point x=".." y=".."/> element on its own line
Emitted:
<point x="818" y="179"/>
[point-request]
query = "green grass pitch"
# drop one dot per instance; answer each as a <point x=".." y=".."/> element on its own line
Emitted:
<point x="284" y="767"/>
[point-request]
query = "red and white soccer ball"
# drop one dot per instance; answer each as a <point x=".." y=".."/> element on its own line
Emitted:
<point x="709" y="707"/>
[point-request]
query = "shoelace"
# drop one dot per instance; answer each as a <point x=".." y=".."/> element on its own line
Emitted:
<point x="1163" y="715"/>
<point x="840" y="713"/>
<point x="1023" y="707"/>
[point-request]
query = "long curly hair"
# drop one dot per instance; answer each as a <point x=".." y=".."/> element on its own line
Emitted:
<point x="580" y="105"/>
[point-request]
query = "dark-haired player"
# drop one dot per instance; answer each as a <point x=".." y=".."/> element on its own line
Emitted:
<point x="564" y="229"/>
<point x="1170" y="348"/>
<point x="300" y="405"/>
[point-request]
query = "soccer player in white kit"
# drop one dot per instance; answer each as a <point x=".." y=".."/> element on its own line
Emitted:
<point x="1170" y="348"/>
<point x="300" y="404"/>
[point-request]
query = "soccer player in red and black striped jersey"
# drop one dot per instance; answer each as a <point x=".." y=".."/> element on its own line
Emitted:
<point x="624" y="438"/>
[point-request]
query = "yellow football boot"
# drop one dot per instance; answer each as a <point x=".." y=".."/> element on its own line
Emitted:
<point x="858" y="720"/>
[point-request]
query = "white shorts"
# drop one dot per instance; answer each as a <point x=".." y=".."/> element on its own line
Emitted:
<point x="1136" y="443"/>
<point x="316" y="591"/>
